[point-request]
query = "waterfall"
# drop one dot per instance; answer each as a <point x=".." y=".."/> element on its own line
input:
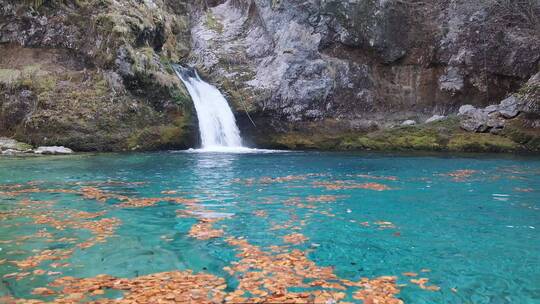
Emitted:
<point x="217" y="126"/>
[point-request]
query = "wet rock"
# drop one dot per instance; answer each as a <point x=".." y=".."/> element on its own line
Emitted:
<point x="409" y="122"/>
<point x="435" y="118"/>
<point x="53" y="150"/>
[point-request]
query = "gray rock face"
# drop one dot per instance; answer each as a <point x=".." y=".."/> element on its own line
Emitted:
<point x="297" y="62"/>
<point x="452" y="81"/>
<point x="53" y="150"/>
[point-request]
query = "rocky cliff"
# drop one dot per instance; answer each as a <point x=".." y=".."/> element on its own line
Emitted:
<point x="309" y="74"/>
<point x="94" y="75"/>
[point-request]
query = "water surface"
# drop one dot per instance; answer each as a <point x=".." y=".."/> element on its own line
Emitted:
<point x="467" y="224"/>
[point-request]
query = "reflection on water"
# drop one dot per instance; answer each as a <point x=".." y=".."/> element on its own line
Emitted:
<point x="212" y="173"/>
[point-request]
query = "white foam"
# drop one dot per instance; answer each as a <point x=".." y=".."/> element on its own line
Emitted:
<point x="230" y="150"/>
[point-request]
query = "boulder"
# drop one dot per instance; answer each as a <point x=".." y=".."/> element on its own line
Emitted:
<point x="11" y="152"/>
<point x="409" y="122"/>
<point x="475" y="120"/>
<point x="53" y="150"/>
<point x="481" y="120"/>
<point x="510" y="107"/>
<point x="491" y="109"/>
<point x="435" y="118"/>
<point x="465" y="109"/>
<point x="12" y="144"/>
<point x="472" y="125"/>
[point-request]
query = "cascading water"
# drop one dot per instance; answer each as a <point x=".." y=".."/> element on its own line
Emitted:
<point x="217" y="125"/>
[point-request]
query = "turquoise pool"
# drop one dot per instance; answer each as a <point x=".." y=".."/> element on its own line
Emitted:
<point x="272" y="226"/>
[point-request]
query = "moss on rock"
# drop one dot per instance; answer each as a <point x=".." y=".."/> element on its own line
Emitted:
<point x="61" y="105"/>
<point x="481" y="142"/>
<point x="442" y="135"/>
<point x="168" y="136"/>
<point x="213" y="23"/>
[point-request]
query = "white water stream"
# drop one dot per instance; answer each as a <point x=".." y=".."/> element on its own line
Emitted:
<point x="217" y="125"/>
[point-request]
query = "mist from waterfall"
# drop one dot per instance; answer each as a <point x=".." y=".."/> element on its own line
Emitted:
<point x="217" y="125"/>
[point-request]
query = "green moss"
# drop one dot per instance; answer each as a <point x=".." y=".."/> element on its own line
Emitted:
<point x="143" y="60"/>
<point x="241" y="98"/>
<point x="172" y="135"/>
<point x="294" y="141"/>
<point x="31" y="77"/>
<point x="393" y="141"/>
<point x="430" y="137"/>
<point x="438" y="136"/>
<point x="299" y="140"/>
<point x="481" y="142"/>
<point x="179" y="97"/>
<point x="528" y="89"/>
<point x="9" y="77"/>
<point x="518" y="131"/>
<point x="212" y="23"/>
<point x="34" y="3"/>
<point x="156" y="137"/>
<point x="45" y="84"/>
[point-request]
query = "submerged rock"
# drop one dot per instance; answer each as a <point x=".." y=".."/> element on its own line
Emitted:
<point x="53" y="150"/>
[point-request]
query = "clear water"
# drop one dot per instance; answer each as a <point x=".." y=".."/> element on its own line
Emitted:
<point x="478" y="234"/>
<point x="217" y="125"/>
